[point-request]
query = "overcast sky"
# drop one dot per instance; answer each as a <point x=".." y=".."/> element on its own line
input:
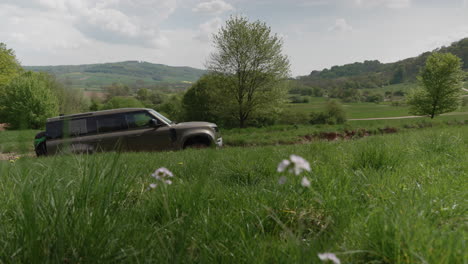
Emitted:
<point x="317" y="34"/>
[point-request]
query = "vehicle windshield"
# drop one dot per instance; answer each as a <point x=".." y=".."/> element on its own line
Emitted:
<point x="161" y="117"/>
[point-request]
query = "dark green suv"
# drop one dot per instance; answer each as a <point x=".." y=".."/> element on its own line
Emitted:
<point x="125" y="129"/>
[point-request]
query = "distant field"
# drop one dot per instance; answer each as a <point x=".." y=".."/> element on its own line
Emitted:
<point x="385" y="199"/>
<point x="358" y="110"/>
<point x="354" y="110"/>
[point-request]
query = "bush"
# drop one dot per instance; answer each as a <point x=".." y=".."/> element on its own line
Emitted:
<point x="27" y="102"/>
<point x="465" y="101"/>
<point x="333" y="114"/>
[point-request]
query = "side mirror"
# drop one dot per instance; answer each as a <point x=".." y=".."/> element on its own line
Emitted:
<point x="155" y="123"/>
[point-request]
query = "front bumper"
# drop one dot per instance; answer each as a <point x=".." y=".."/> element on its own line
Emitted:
<point x="219" y="142"/>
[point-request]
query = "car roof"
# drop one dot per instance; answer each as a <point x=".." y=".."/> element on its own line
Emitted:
<point x="97" y="113"/>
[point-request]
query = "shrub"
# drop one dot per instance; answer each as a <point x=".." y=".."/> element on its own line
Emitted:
<point x="27" y="102"/>
<point x="333" y="114"/>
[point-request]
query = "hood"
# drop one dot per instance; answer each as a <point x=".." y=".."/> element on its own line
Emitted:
<point x="194" y="124"/>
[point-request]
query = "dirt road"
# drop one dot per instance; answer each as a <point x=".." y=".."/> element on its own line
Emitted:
<point x="403" y="117"/>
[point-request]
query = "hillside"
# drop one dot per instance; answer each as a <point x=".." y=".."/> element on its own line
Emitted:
<point x="93" y="76"/>
<point x="374" y="74"/>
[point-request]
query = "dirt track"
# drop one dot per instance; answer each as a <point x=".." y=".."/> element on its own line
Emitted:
<point x="402" y="117"/>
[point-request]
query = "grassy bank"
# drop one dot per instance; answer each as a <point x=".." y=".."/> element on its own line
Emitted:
<point x="386" y="199"/>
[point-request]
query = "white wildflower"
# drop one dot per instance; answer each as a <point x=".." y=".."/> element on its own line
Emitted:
<point x="283" y="165"/>
<point x="305" y="182"/>
<point x="300" y="164"/>
<point x="162" y="173"/>
<point x="329" y="256"/>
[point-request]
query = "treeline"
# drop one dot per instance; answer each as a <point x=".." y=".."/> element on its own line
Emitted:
<point x="126" y="72"/>
<point x="374" y="74"/>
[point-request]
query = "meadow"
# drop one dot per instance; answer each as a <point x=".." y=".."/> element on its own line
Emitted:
<point x="358" y="110"/>
<point x="397" y="198"/>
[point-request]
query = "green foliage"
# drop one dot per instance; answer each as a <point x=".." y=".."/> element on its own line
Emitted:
<point x="9" y="65"/>
<point x="441" y="81"/>
<point x="28" y="101"/>
<point x="249" y="60"/>
<point x="333" y="114"/>
<point x="117" y="89"/>
<point x="71" y="100"/>
<point x="200" y="102"/>
<point x="122" y="102"/>
<point x="398" y="75"/>
<point x="172" y="108"/>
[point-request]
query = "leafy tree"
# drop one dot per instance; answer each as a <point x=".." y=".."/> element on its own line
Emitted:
<point x="249" y="58"/>
<point x="200" y="101"/>
<point x="117" y="89"/>
<point x="9" y="65"/>
<point x="70" y="100"/>
<point x="27" y="102"/>
<point x="441" y="81"/>
<point x="122" y="102"/>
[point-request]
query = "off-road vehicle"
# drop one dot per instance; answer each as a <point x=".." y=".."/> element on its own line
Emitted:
<point x="125" y="129"/>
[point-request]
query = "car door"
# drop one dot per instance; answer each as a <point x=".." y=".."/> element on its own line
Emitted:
<point x="145" y="136"/>
<point x="112" y="130"/>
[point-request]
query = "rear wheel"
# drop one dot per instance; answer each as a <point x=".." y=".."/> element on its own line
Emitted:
<point x="41" y="149"/>
<point x="40" y="144"/>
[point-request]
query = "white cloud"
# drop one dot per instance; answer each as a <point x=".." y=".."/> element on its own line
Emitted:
<point x="213" y="7"/>
<point x="341" y="25"/>
<point x="134" y="22"/>
<point x="207" y="29"/>
<point x="387" y="3"/>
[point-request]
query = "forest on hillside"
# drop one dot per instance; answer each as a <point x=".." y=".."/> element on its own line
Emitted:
<point x="374" y="74"/>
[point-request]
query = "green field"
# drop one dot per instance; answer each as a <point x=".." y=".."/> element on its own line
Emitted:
<point x="357" y="110"/>
<point x="385" y="199"/>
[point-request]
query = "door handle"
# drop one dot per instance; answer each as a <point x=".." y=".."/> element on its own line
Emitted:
<point x="134" y="136"/>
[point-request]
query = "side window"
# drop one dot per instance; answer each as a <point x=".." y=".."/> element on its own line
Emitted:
<point x="54" y="130"/>
<point x="138" y="119"/>
<point x="77" y="127"/>
<point x="111" y="123"/>
<point x="91" y="125"/>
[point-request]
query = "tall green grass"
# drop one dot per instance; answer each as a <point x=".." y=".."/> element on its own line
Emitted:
<point x="385" y="199"/>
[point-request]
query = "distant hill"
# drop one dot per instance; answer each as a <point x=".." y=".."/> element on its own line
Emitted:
<point x="373" y="74"/>
<point x="132" y="73"/>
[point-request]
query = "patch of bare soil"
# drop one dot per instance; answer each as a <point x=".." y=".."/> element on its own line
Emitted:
<point x="3" y="126"/>
<point x="12" y="156"/>
<point x="348" y="134"/>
